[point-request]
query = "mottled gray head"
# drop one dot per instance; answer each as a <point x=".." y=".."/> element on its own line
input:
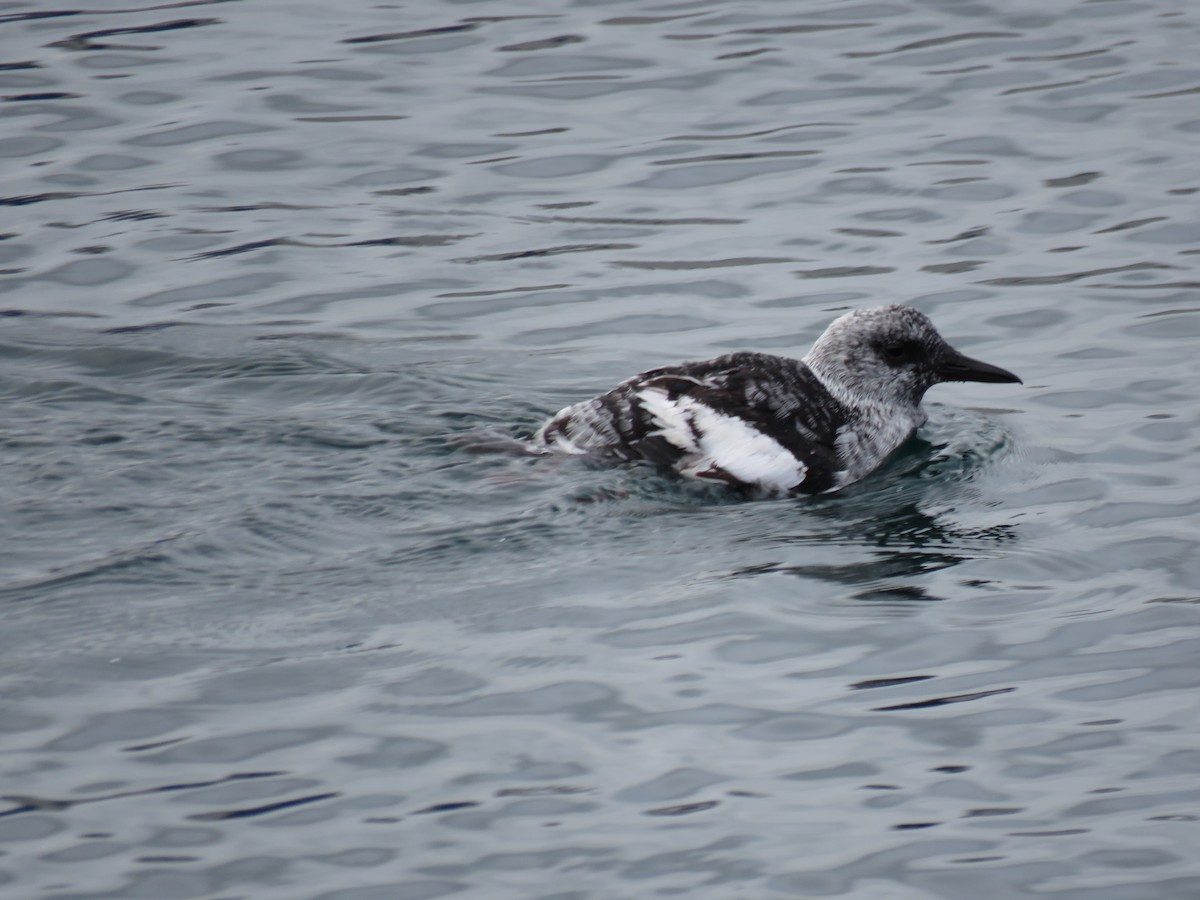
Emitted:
<point x="892" y="355"/>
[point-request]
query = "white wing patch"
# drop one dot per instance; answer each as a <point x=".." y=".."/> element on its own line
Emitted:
<point x="715" y="443"/>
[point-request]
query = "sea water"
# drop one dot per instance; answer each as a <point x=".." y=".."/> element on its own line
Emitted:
<point x="284" y="614"/>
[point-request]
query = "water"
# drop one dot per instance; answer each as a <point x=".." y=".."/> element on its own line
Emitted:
<point x="281" y="621"/>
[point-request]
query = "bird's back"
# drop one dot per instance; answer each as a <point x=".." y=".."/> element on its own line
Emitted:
<point x="746" y="419"/>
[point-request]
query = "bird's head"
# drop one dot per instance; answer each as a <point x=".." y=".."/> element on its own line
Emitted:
<point x="892" y="355"/>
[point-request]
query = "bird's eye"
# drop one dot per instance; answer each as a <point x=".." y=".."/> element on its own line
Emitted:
<point x="895" y="352"/>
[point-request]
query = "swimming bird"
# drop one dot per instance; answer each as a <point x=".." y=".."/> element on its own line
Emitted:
<point x="771" y="425"/>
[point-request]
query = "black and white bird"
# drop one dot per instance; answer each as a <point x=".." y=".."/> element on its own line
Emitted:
<point x="771" y="425"/>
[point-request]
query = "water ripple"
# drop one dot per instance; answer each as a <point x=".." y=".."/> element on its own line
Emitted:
<point x="286" y="605"/>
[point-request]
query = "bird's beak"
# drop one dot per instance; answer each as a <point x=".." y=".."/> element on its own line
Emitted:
<point x="956" y="367"/>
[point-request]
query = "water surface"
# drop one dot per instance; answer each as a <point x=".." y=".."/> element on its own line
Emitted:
<point x="280" y="620"/>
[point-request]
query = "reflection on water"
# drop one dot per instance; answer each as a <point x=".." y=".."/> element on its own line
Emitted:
<point x="905" y="524"/>
<point x="284" y="613"/>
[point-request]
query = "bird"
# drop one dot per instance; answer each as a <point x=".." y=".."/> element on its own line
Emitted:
<point x="773" y="426"/>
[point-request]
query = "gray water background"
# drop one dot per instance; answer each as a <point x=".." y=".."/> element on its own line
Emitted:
<point x="277" y="624"/>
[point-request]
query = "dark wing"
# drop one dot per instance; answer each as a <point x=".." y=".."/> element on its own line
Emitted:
<point x="742" y="418"/>
<point x="782" y="398"/>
